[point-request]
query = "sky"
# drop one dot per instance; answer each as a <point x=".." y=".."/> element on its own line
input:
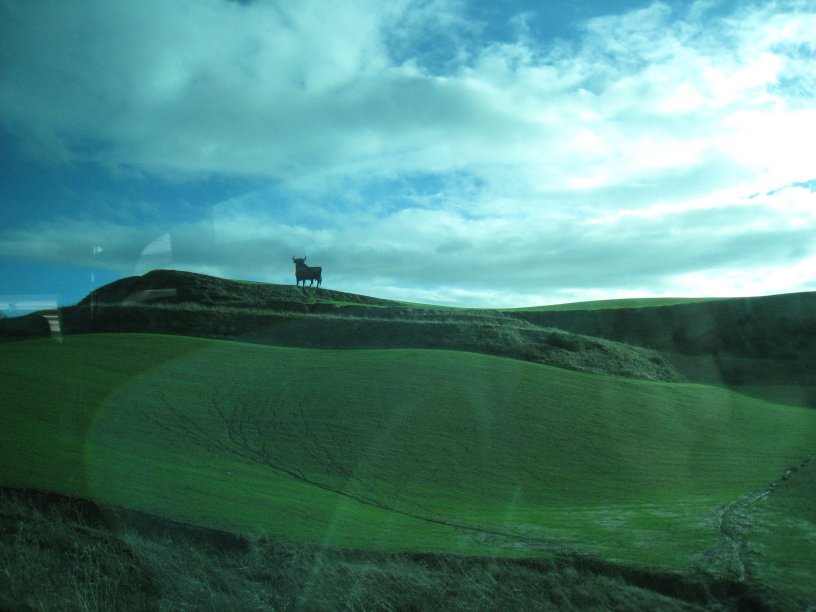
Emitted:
<point x="490" y="154"/>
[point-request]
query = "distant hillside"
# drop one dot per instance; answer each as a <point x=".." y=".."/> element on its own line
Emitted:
<point x="779" y="326"/>
<point x="767" y="342"/>
<point x="739" y="341"/>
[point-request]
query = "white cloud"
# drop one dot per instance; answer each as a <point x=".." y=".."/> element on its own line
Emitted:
<point x="449" y="257"/>
<point x="617" y="161"/>
<point x="275" y="90"/>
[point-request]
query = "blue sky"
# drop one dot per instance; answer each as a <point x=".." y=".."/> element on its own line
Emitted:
<point x="501" y="153"/>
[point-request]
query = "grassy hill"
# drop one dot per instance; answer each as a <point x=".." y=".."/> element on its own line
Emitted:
<point x="623" y="303"/>
<point x="393" y="450"/>
<point x="197" y="305"/>
<point x="764" y="347"/>
<point x="328" y="426"/>
<point x="780" y="326"/>
<point x="174" y="287"/>
<point x="63" y="551"/>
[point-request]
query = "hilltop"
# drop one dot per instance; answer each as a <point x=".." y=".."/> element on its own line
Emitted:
<point x="766" y="346"/>
<point x="184" y="303"/>
<point x="175" y="287"/>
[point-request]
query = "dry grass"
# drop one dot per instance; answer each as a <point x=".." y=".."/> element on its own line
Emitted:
<point x="58" y="553"/>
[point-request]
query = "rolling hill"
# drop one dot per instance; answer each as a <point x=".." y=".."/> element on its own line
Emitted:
<point x="764" y="347"/>
<point x="270" y="424"/>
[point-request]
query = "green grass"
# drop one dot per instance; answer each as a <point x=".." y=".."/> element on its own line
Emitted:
<point x="780" y="531"/>
<point x="59" y="553"/>
<point x="389" y="449"/>
<point x="489" y="333"/>
<point x="614" y="304"/>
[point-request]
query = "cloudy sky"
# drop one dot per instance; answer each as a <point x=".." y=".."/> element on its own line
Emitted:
<point x="494" y="153"/>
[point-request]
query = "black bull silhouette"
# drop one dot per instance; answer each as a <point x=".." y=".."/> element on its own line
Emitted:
<point x="305" y="273"/>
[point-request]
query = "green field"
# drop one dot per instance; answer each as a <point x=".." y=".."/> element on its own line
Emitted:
<point x="394" y="449"/>
<point x="615" y="304"/>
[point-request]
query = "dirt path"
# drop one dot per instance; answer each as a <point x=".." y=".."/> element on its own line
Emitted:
<point x="733" y="522"/>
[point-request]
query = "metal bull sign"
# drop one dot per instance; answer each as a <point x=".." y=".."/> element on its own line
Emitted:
<point x="305" y="273"/>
